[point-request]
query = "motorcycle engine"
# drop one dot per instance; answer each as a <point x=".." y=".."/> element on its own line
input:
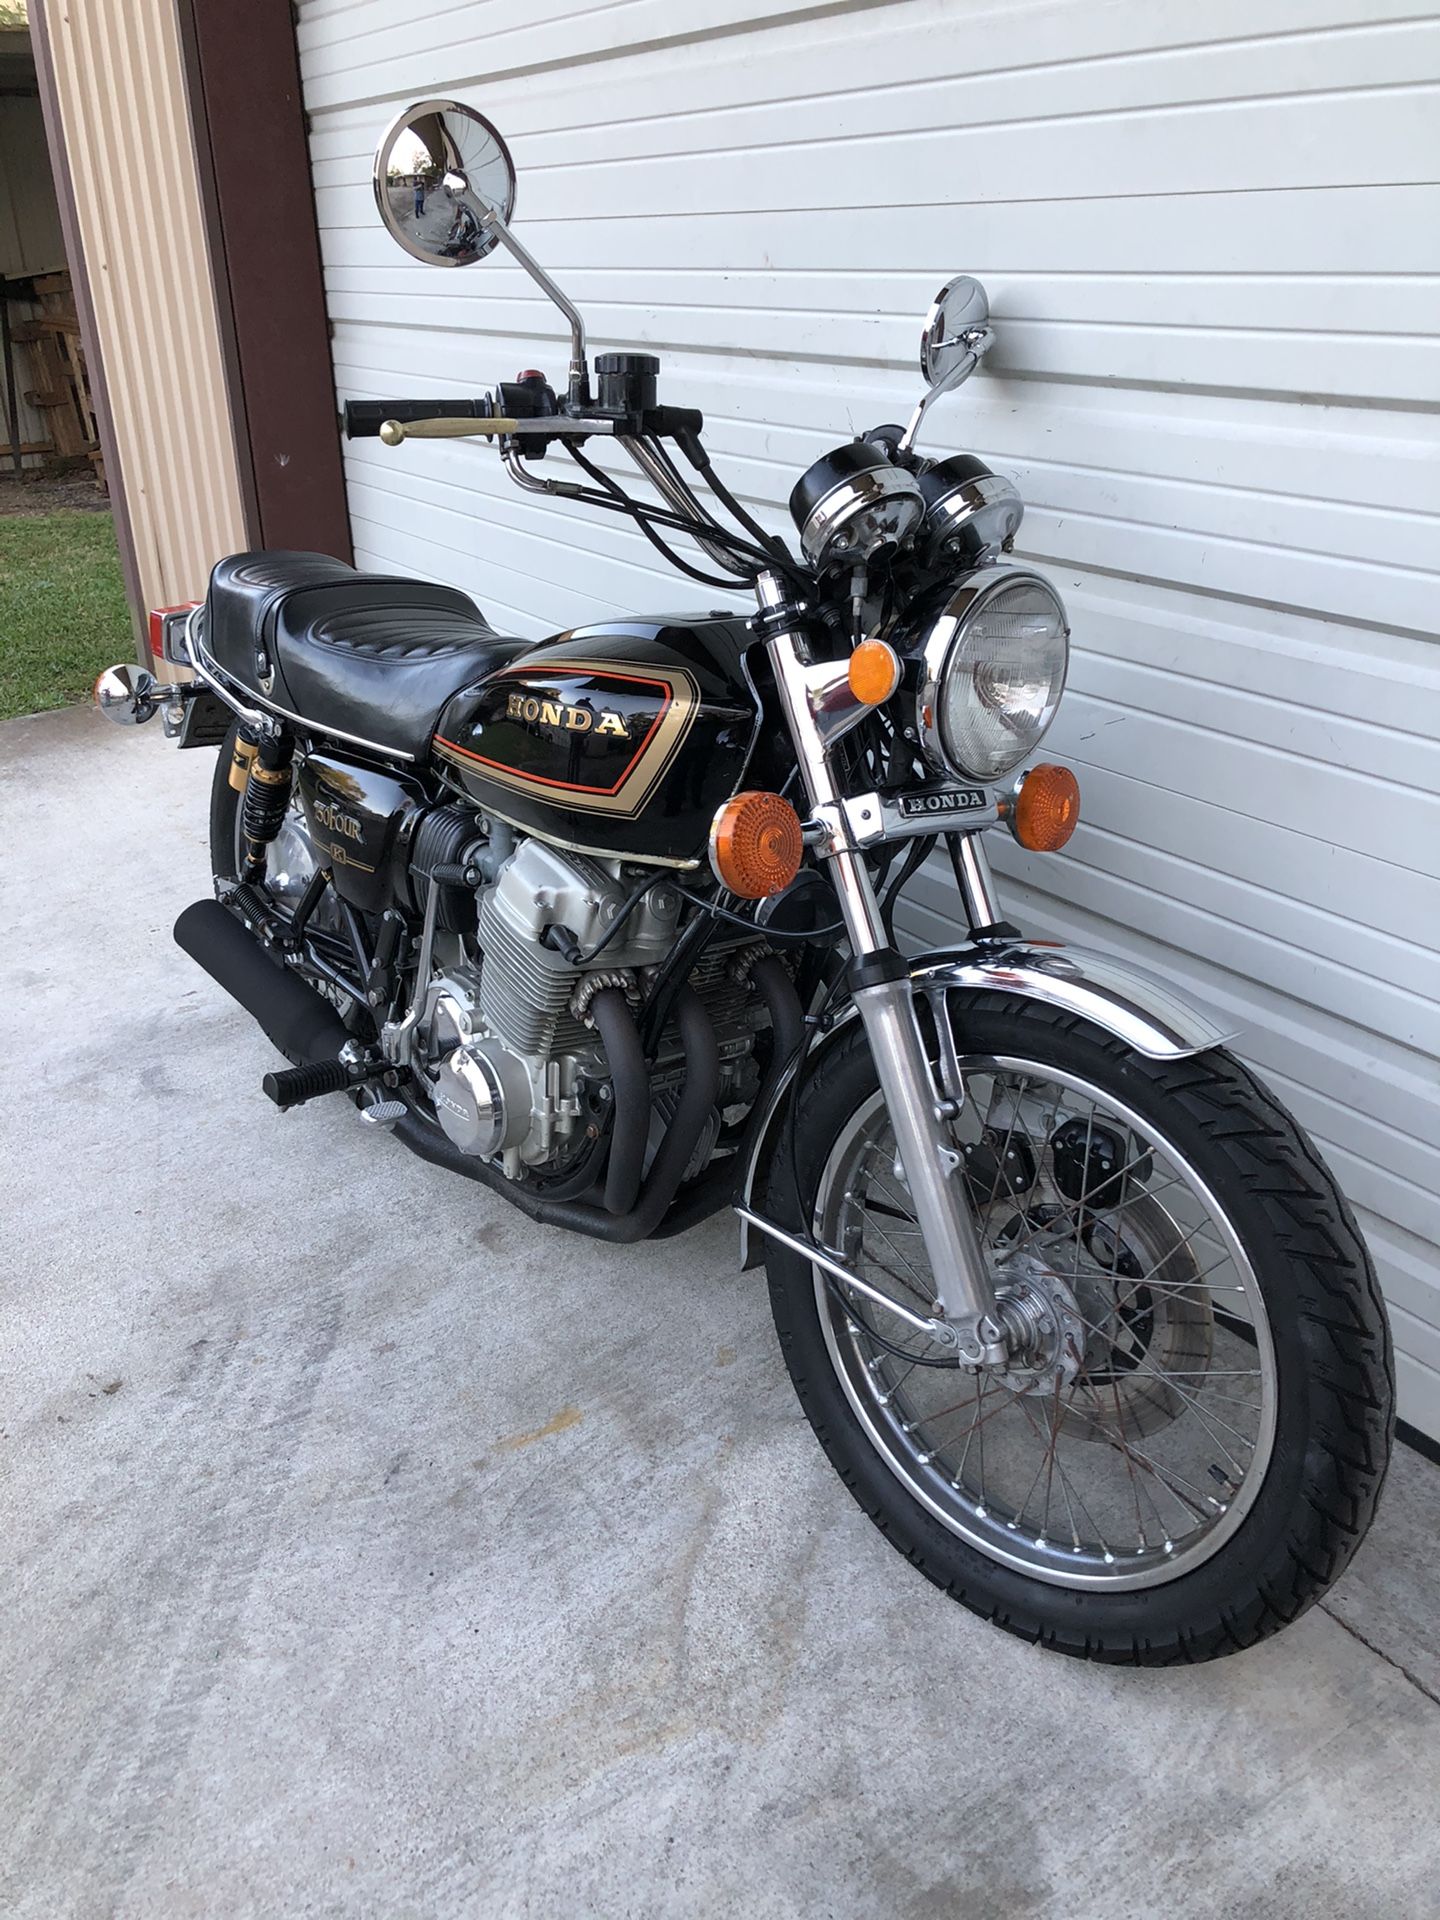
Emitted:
<point x="503" y="1044"/>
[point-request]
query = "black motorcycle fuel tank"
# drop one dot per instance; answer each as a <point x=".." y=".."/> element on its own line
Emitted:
<point x="623" y="737"/>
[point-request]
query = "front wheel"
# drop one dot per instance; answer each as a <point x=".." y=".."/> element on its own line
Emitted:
<point x="1189" y="1441"/>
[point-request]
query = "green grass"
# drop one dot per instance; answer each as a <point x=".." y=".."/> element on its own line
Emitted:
<point x="62" y="608"/>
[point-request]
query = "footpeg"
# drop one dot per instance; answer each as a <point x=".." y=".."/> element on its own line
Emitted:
<point x="293" y="1086"/>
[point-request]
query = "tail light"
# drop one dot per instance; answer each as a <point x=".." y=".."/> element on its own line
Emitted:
<point x="166" y="624"/>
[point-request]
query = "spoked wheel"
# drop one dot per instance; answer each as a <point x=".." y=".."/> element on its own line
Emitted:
<point x="1191" y="1434"/>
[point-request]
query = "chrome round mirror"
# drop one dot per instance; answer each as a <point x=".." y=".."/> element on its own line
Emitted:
<point x="126" y="695"/>
<point x="960" y="313"/>
<point x="441" y="173"/>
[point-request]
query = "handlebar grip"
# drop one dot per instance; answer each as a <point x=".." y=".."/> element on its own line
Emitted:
<point x="364" y="418"/>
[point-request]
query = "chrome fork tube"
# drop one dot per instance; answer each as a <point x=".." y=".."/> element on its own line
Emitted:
<point x="883" y="995"/>
<point x="977" y="886"/>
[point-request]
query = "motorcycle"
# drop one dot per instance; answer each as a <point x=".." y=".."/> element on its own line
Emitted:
<point x="606" y="924"/>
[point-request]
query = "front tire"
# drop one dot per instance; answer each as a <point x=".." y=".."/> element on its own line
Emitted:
<point x="1208" y="1406"/>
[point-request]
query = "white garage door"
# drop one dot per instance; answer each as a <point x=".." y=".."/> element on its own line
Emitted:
<point x="1211" y="238"/>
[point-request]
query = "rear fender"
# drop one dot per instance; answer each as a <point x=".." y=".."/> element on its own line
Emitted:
<point x="1137" y="1008"/>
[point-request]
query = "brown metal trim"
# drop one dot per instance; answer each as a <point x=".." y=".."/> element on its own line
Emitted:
<point x="85" y="313"/>
<point x="248" y="120"/>
<point x="215" y="250"/>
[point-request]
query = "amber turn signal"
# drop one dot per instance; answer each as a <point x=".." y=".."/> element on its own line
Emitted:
<point x="1046" y="809"/>
<point x="756" y="845"/>
<point x="874" y="672"/>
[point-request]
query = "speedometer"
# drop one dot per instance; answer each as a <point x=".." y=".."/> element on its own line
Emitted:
<point x="853" y="503"/>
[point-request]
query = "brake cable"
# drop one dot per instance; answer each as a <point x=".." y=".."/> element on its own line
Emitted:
<point x="612" y="487"/>
<point x="693" y="449"/>
<point x="587" y="496"/>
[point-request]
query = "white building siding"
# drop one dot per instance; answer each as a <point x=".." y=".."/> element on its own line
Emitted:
<point x="1214" y="266"/>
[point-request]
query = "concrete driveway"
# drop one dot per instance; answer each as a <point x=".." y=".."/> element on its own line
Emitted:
<point x="368" y="1550"/>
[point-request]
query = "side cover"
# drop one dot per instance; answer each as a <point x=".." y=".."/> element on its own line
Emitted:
<point x="360" y="821"/>
<point x="618" y="738"/>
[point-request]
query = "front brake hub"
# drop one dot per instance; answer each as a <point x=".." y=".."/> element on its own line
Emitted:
<point x="1042" y="1323"/>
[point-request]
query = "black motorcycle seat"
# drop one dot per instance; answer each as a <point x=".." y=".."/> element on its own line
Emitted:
<point x="375" y="656"/>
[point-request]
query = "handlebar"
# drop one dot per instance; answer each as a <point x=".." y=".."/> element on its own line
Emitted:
<point x="529" y="406"/>
<point x="525" y="418"/>
<point x="500" y="426"/>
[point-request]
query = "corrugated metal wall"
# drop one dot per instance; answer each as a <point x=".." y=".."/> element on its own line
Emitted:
<point x="137" y="200"/>
<point x="1212" y="241"/>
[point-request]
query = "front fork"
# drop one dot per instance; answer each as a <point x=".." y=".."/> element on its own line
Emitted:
<point x="881" y="988"/>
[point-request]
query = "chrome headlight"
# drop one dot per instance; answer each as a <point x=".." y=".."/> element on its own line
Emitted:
<point x="992" y="674"/>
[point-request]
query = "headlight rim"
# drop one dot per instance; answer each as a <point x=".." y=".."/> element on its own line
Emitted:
<point x="968" y="597"/>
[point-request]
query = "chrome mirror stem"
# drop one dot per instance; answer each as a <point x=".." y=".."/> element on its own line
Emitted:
<point x="579" y="366"/>
<point x="978" y="343"/>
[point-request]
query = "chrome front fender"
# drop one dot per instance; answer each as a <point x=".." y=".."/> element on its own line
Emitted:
<point x="1138" y="1008"/>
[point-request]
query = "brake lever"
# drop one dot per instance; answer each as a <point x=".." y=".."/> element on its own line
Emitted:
<point x="548" y="426"/>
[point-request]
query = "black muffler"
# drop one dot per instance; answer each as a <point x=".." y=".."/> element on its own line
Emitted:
<point x="299" y="1021"/>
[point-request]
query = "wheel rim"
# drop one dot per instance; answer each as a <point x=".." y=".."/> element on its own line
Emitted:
<point x="1130" y="1446"/>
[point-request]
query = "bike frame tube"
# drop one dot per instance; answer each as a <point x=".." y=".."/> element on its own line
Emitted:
<point x="885" y="1000"/>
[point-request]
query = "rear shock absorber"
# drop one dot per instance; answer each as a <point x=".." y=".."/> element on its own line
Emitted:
<point x="242" y="756"/>
<point x="266" y="801"/>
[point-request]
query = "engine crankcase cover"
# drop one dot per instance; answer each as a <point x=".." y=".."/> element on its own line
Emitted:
<point x="481" y="1093"/>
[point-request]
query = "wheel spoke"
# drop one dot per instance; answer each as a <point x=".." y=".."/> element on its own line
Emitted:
<point x="1068" y="1488"/>
<point x="919" y="1287"/>
<point x="1149" y="1373"/>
